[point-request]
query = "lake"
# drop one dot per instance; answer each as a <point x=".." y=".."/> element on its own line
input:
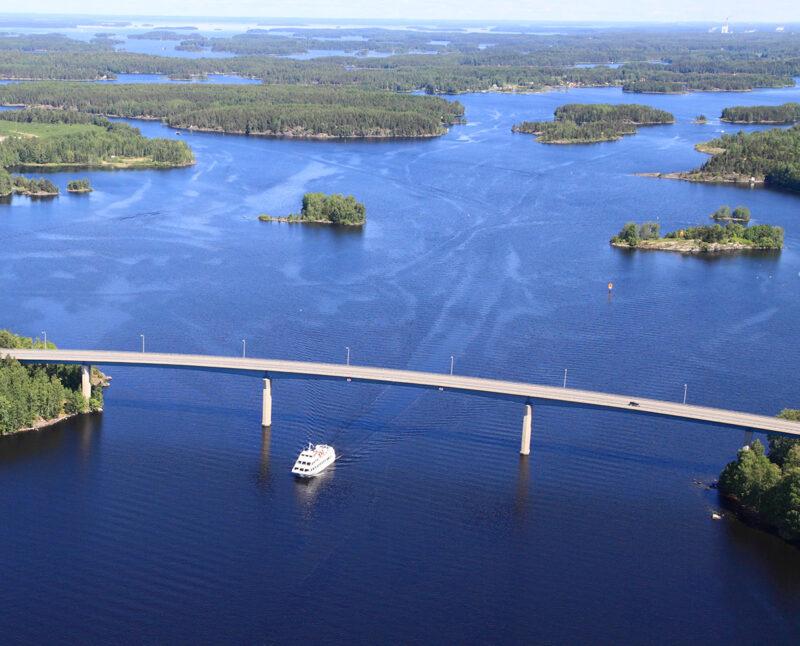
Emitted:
<point x="173" y="517"/>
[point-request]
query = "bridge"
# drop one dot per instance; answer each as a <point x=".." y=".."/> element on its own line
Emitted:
<point x="518" y="391"/>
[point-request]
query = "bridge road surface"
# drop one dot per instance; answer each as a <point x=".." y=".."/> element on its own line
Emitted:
<point x="529" y="393"/>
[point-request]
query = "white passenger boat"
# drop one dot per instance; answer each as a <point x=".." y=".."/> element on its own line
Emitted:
<point x="313" y="460"/>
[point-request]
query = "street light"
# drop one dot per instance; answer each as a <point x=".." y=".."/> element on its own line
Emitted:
<point x="685" y="389"/>
<point x="45" y="338"/>
<point x="452" y="363"/>
<point x="142" y="336"/>
<point x="244" y="348"/>
<point x="565" y="378"/>
<point x="347" y="347"/>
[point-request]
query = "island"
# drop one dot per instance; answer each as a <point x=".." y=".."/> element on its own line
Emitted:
<point x="79" y="186"/>
<point x="311" y="112"/>
<point x="701" y="239"/>
<point x="787" y="113"/>
<point x="319" y="208"/>
<point x="700" y="119"/>
<point x="769" y="158"/>
<point x="724" y="214"/>
<point x="764" y="488"/>
<point x="577" y="123"/>
<point x="34" y="396"/>
<point x="20" y="185"/>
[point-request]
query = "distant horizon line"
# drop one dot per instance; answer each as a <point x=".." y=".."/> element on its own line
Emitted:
<point x="481" y="21"/>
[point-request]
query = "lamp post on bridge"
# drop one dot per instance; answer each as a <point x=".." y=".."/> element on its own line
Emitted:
<point x="565" y="378"/>
<point x="244" y="348"/>
<point x="347" y="347"/>
<point x="452" y="364"/>
<point x="142" y="337"/>
<point x="685" y="390"/>
<point x="45" y="338"/>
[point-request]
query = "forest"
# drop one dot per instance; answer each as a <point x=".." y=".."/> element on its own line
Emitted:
<point x="786" y="113"/>
<point x="40" y="137"/>
<point x="40" y="392"/>
<point x="577" y="123"/>
<point x="452" y="62"/>
<point x="252" y="109"/>
<point x="767" y="485"/>
<point x="771" y="156"/>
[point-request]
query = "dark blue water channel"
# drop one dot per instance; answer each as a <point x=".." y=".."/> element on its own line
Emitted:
<point x="172" y="517"/>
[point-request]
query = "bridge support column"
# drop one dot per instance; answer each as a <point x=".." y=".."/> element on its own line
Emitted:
<point x="527" y="422"/>
<point x="86" y="381"/>
<point x="748" y="438"/>
<point x="266" y="403"/>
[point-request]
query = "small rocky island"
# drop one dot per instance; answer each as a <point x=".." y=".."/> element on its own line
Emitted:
<point x="79" y="186"/>
<point x="319" y="208"/>
<point x="763" y="489"/>
<point x="700" y="239"/>
<point x="10" y="184"/>
<point x="579" y="123"/>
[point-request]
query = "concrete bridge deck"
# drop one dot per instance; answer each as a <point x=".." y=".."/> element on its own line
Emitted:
<point x="529" y="393"/>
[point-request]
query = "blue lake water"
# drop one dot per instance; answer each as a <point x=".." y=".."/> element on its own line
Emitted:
<point x="173" y="517"/>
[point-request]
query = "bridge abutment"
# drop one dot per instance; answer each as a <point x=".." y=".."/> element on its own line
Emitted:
<point x="86" y="381"/>
<point x="527" y="423"/>
<point x="266" y="403"/>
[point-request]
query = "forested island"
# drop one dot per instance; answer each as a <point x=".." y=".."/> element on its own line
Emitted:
<point x="770" y="157"/>
<point x="79" y="186"/>
<point x="457" y="61"/>
<point x="764" y="488"/>
<point x="577" y="123"/>
<point x="724" y="214"/>
<point x="55" y="138"/>
<point x="771" y="114"/>
<point x="700" y="239"/>
<point x="32" y="396"/>
<point x="269" y="110"/>
<point x="319" y="208"/>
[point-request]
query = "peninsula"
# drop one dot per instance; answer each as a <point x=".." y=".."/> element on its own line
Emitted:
<point x="66" y="138"/>
<point x="764" y="488"/>
<point x="33" y="396"/>
<point x="578" y="123"/>
<point x="769" y="158"/>
<point x="701" y="239"/>
<point x="319" y="208"/>
<point x="787" y="113"/>
<point x="266" y="110"/>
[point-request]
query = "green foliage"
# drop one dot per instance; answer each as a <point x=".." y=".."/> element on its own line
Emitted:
<point x="724" y="213"/>
<point x="6" y="185"/>
<point x="761" y="236"/>
<point x="336" y="209"/>
<point x="593" y="122"/>
<point x="700" y="118"/>
<point x="32" y="392"/>
<point x="633" y="233"/>
<point x="688" y="60"/>
<point x="769" y="484"/>
<point x="81" y="140"/>
<point x="252" y="109"/>
<point x="772" y="155"/>
<point x="79" y="186"/>
<point x="32" y="186"/>
<point x="786" y="113"/>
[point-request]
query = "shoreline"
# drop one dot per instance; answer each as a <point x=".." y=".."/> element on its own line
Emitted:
<point x="45" y="423"/>
<point x="690" y="247"/>
<point x="751" y="518"/>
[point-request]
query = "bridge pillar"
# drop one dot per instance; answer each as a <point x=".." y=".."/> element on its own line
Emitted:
<point x="266" y="403"/>
<point x="86" y="381"/>
<point x="527" y="422"/>
<point x="748" y="438"/>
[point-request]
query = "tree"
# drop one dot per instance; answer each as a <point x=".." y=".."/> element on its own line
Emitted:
<point x="650" y="231"/>
<point x="750" y="477"/>
<point x="741" y="213"/>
